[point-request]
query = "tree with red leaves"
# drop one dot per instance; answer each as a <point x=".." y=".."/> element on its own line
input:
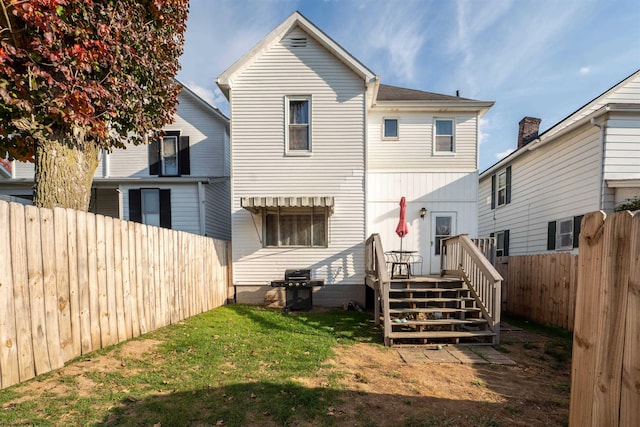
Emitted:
<point x="81" y="76"/>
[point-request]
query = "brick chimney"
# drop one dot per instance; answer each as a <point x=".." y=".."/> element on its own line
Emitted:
<point x="529" y="127"/>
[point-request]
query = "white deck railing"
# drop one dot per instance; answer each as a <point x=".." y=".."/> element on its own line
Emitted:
<point x="461" y="257"/>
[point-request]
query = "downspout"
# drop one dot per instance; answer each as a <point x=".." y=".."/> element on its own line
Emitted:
<point x="602" y="128"/>
<point x="120" y="207"/>
<point x="201" y="203"/>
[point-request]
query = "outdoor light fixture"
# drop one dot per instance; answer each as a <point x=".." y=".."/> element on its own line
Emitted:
<point x="423" y="212"/>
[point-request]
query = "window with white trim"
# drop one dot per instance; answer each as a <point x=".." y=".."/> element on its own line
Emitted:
<point x="298" y="124"/>
<point x="150" y="206"/>
<point x="444" y="136"/>
<point x="564" y="234"/>
<point x="301" y="227"/>
<point x="169" y="155"/>
<point x="390" y="128"/>
<point x="502" y="188"/>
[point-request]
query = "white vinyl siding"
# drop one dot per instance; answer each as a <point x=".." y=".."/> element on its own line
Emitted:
<point x="414" y="149"/>
<point x="454" y="192"/>
<point x="218" y="209"/>
<point x="558" y="180"/>
<point x="336" y="168"/>
<point x="622" y="148"/>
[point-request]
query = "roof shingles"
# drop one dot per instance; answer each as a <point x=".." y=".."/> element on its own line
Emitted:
<point x="394" y="93"/>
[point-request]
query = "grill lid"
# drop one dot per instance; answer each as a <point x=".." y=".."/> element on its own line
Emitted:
<point x="297" y="274"/>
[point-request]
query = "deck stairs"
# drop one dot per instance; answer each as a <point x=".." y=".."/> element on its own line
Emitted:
<point x="432" y="309"/>
<point x="460" y="305"/>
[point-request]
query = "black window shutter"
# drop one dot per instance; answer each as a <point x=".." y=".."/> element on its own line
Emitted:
<point x="505" y="251"/>
<point x="577" y="220"/>
<point x="154" y="157"/>
<point x="165" y="208"/>
<point x="508" y="197"/>
<point x="551" y="236"/>
<point x="135" y="205"/>
<point x="183" y="157"/>
<point x="493" y="191"/>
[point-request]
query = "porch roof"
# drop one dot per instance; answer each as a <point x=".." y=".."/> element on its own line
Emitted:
<point x="257" y="203"/>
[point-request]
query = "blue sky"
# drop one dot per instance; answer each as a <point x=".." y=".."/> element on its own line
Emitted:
<point x="540" y="58"/>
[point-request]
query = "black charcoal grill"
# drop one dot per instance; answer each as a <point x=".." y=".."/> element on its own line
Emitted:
<point x="299" y="288"/>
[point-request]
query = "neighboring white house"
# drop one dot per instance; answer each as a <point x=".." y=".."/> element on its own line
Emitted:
<point x="321" y="155"/>
<point x="181" y="182"/>
<point x="533" y="199"/>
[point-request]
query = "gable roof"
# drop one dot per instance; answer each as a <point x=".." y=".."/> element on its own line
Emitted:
<point x="296" y="19"/>
<point x="593" y="109"/>
<point x="186" y="91"/>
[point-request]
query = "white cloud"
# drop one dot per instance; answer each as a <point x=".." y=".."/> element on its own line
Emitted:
<point x="504" y="154"/>
<point x="585" y="70"/>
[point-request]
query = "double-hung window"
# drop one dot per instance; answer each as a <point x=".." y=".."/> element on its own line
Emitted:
<point x="390" y="128"/>
<point x="564" y="234"/>
<point x="501" y="188"/>
<point x="169" y="155"/>
<point x="444" y="141"/>
<point x="298" y="124"/>
<point x="502" y="242"/>
<point x="151" y="206"/>
<point x="305" y="227"/>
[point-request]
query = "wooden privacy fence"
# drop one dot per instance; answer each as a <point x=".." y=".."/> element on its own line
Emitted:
<point x="73" y="282"/>
<point x="605" y="371"/>
<point x="540" y="287"/>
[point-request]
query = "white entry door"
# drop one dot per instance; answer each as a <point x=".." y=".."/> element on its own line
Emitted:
<point x="443" y="224"/>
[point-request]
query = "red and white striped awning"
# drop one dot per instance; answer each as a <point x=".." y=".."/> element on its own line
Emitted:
<point x="256" y="204"/>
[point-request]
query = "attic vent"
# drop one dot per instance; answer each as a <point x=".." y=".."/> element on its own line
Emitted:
<point x="298" y="42"/>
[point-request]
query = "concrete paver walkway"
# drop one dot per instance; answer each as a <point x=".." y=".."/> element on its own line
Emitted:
<point x="454" y="354"/>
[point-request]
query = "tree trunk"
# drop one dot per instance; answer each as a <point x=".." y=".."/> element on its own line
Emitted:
<point x="64" y="168"/>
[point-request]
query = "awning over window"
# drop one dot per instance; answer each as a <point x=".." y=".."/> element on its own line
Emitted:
<point x="255" y="204"/>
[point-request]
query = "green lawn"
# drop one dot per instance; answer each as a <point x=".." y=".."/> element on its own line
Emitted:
<point x="235" y="365"/>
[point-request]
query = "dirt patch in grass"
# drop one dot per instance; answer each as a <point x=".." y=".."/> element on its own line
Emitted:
<point x="380" y="389"/>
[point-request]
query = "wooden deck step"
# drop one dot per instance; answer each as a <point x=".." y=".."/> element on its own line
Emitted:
<point x="435" y="310"/>
<point x="441" y="334"/>
<point x="441" y="322"/>
<point x="427" y="300"/>
<point x="427" y="289"/>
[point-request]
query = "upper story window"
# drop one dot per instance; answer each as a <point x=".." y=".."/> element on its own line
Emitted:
<point x="298" y="124"/>
<point x="444" y="136"/>
<point x="296" y="227"/>
<point x="390" y="128"/>
<point x="170" y="156"/>
<point x="501" y="188"/>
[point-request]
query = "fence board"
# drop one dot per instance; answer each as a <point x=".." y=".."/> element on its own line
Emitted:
<point x="630" y="393"/>
<point x="112" y="291"/>
<point x="36" y="291"/>
<point x="50" y="288"/>
<point x="84" y="297"/>
<point x="101" y="274"/>
<point x="126" y="277"/>
<point x="9" y="369"/>
<point x="62" y="282"/>
<point x="94" y="287"/>
<point x="21" y="304"/>
<point x="117" y="281"/>
<point x="610" y="317"/>
<point x="142" y="255"/>
<point x="74" y="293"/>
<point x="133" y="277"/>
